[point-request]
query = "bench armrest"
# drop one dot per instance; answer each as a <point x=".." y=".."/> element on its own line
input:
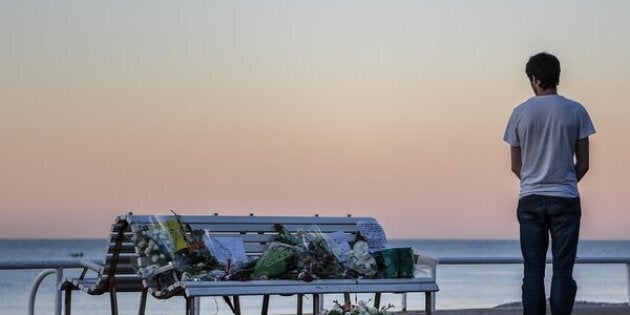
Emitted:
<point x="92" y="265"/>
<point x="425" y="265"/>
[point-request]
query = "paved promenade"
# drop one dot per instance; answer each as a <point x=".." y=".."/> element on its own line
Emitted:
<point x="613" y="310"/>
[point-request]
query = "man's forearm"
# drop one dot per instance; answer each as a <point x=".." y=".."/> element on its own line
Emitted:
<point x="516" y="162"/>
<point x="581" y="158"/>
<point x="517" y="172"/>
<point x="580" y="171"/>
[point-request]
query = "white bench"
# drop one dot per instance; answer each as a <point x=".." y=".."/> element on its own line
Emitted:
<point x="256" y="232"/>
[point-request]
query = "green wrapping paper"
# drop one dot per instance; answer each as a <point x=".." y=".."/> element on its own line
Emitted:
<point x="398" y="262"/>
<point x="273" y="263"/>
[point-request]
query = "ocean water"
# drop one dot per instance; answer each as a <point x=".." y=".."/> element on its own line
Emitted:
<point x="461" y="286"/>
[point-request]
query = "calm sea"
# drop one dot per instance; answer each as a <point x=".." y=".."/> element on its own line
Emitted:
<point x="461" y="286"/>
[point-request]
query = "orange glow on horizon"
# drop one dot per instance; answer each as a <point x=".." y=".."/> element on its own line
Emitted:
<point x="389" y="110"/>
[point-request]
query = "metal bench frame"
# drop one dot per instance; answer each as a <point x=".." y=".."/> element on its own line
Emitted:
<point x="115" y="274"/>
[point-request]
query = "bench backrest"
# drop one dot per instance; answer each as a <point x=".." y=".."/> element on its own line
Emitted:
<point x="119" y="263"/>
<point x="120" y="236"/>
<point x="258" y="231"/>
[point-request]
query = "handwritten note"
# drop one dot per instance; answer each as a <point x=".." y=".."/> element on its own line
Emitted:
<point x="373" y="234"/>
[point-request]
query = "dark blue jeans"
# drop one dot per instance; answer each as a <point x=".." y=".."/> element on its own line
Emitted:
<point x="539" y="217"/>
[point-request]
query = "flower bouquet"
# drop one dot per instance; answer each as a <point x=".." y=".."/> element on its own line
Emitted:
<point x="170" y="251"/>
<point x="361" y="308"/>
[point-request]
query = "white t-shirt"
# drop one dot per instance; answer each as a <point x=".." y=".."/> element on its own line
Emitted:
<point x="547" y="129"/>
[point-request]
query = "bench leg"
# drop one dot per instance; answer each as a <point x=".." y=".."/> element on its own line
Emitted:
<point x="234" y="307"/>
<point x="192" y="305"/>
<point x="229" y="303"/>
<point x="67" y="302"/>
<point x="113" y="301"/>
<point x="315" y="304"/>
<point x="143" y="301"/>
<point x="300" y="304"/>
<point x="377" y="300"/>
<point x="346" y="298"/>
<point x="265" y="306"/>
<point x="237" y="305"/>
<point x="428" y="302"/>
<point x="189" y="306"/>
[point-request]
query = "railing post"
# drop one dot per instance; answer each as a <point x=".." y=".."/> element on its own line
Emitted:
<point x="434" y="294"/>
<point x="403" y="302"/>
<point x="58" y="295"/>
<point x="197" y="302"/>
<point x="321" y="304"/>
<point x="35" y="287"/>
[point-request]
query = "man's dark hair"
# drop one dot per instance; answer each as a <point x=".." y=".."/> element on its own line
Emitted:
<point x="546" y="68"/>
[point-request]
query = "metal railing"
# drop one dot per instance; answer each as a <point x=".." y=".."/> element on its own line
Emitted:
<point x="51" y="266"/>
<point x="57" y="266"/>
<point x="623" y="260"/>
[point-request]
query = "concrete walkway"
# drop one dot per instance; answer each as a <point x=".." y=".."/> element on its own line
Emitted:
<point x="613" y="310"/>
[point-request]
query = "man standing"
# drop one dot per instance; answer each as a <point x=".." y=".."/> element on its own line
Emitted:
<point x="545" y="134"/>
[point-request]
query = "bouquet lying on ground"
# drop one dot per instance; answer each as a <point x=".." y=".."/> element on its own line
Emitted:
<point x="360" y="309"/>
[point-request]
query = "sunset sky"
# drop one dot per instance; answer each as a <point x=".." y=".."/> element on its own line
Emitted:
<point x="391" y="109"/>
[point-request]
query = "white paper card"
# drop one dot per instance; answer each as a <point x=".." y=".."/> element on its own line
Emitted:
<point x="226" y="247"/>
<point x="342" y="246"/>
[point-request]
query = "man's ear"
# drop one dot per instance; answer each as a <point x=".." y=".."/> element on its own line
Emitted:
<point x="535" y="81"/>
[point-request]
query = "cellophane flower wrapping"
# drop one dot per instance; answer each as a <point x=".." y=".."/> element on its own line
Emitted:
<point x="316" y="255"/>
<point x="169" y="250"/>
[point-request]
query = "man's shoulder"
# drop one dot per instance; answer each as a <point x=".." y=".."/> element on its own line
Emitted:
<point x="570" y="101"/>
<point x="574" y="106"/>
<point x="554" y="99"/>
<point x="523" y="106"/>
